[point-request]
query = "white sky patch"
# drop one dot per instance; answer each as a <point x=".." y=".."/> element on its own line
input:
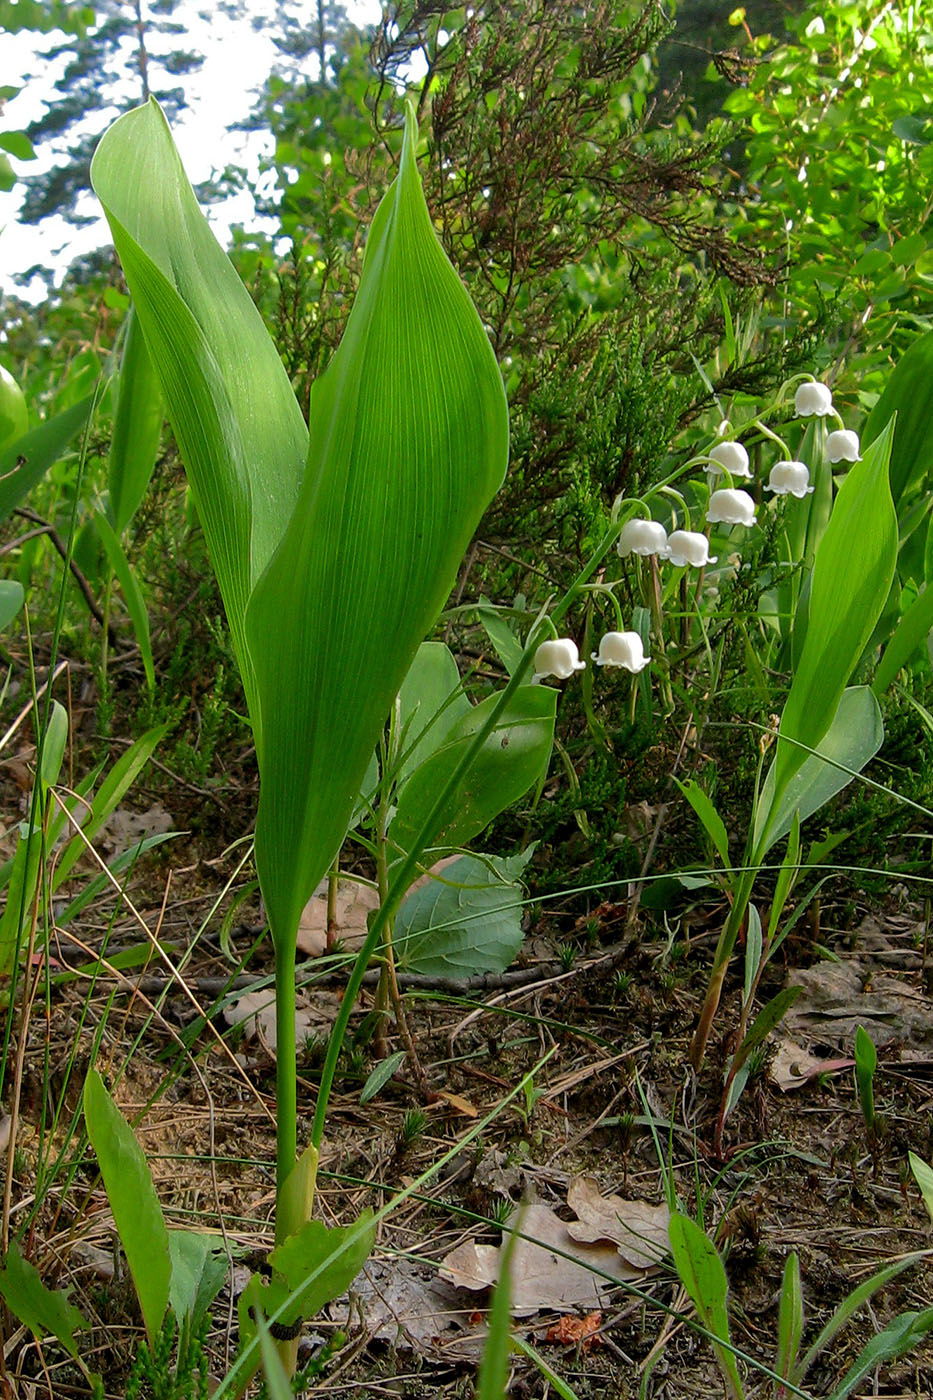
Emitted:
<point x="238" y="59"/>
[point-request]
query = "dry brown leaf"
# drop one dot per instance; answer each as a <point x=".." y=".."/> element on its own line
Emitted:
<point x="124" y="829"/>
<point x="354" y="904"/>
<point x="457" y="1102"/>
<point x="793" y="1066"/>
<point x="406" y="1305"/>
<point x="837" y="997"/>
<point x="638" y="1229"/>
<point x="541" y="1277"/>
<point x="255" y="1012"/>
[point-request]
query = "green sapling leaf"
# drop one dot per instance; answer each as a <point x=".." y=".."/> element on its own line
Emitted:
<point x="43" y="1310"/>
<point x="703" y="1276"/>
<point x="133" y="1200"/>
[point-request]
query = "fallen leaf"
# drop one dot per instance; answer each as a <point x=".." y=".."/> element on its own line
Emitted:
<point x="255" y="1012"/>
<point x="639" y="1230"/>
<point x="407" y="1305"/>
<point x="124" y="828"/>
<point x="839" y="996"/>
<point x="457" y="1102"/>
<point x="541" y="1277"/>
<point x="354" y="903"/>
<point x="576" y="1331"/>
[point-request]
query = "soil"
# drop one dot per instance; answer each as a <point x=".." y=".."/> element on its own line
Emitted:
<point x="614" y="1100"/>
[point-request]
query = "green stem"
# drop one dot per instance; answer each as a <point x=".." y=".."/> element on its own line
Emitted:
<point x="286" y="1082"/>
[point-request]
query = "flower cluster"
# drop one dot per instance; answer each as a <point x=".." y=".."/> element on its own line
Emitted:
<point x="728" y="505"/>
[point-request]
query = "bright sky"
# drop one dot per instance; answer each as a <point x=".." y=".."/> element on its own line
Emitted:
<point x="223" y="91"/>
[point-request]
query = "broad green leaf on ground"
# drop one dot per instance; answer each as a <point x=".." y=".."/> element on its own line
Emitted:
<point x="43" y="1310"/>
<point x="238" y="425"/>
<point x="513" y="758"/>
<point x="137" y="427"/>
<point x="409" y="442"/>
<point x="431" y="700"/>
<point x="854" y="737"/>
<point x="24" y="462"/>
<point x="852" y="574"/>
<point x="136" y="1210"/>
<point x="466" y="923"/>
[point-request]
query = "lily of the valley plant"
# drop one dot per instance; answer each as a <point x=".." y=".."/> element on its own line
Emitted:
<point x="335" y="543"/>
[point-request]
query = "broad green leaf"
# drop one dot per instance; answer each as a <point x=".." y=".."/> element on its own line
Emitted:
<point x="43" y="1310"/>
<point x="431" y="700"/>
<point x="133" y="1200"/>
<point x="852" y="573"/>
<point x="53" y="745"/>
<point x="409" y="442"/>
<point x="852" y="740"/>
<point x="511" y="761"/>
<point x="866" y="1062"/>
<point x="467" y="922"/>
<point x="923" y="1175"/>
<point x="911" y="632"/>
<point x="137" y="427"/>
<point x="199" y="1271"/>
<point x="229" y="400"/>
<point x="713" y="823"/>
<point x="703" y="1276"/>
<point x="24" y="462"/>
<point x="11" y="600"/>
<point x="132" y="593"/>
<point x="768" y="1017"/>
<point x="908" y="394"/>
<point x="14" y="411"/>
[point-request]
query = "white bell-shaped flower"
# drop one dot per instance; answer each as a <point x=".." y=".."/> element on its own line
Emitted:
<point x="813" y="400"/>
<point x="730" y="457"/>
<point x="622" y="649"/>
<point x="642" y="537"/>
<point x="789" y="479"/>
<point x="559" y="658"/>
<point x="729" y="507"/>
<point x="689" y="547"/>
<point x="843" y="446"/>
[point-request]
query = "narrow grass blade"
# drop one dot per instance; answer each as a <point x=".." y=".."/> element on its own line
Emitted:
<point x="899" y="1337"/>
<point x="713" y="823"/>
<point x="409" y="442"/>
<point x="136" y="1210"/>
<point x="848" y="1308"/>
<point x="494" y="1367"/>
<point x="909" y="635"/>
<point x="923" y="1175"/>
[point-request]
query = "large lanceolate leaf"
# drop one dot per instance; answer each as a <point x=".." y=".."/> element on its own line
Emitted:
<point x="229" y="400"/>
<point x="409" y="442"/>
<point x="851" y="578"/>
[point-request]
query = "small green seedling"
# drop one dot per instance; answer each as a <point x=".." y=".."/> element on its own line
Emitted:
<point x="866" y="1062"/>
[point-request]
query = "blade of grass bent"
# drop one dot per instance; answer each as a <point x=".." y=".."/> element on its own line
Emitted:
<point x="239" y="428"/>
<point x="409" y="442"/>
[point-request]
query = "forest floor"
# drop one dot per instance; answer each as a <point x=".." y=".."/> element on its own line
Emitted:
<point x="613" y="1108"/>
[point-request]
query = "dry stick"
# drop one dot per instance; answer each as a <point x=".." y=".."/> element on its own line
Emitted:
<point x="46" y="528"/>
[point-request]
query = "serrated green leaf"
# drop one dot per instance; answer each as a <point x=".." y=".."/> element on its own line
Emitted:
<point x="466" y="922"/>
<point x="133" y="1200"/>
